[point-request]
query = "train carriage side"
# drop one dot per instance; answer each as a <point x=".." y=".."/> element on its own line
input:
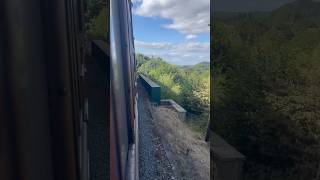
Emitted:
<point x="123" y="124"/>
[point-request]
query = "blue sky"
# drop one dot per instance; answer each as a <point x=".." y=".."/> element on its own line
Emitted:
<point x="175" y="30"/>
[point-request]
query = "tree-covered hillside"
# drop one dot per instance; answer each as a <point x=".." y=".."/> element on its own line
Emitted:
<point x="188" y="86"/>
<point x="266" y="89"/>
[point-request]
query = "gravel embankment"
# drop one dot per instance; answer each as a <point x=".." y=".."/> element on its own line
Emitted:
<point x="153" y="161"/>
<point x="189" y="152"/>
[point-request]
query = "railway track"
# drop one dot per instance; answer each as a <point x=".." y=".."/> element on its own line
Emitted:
<point x="153" y="160"/>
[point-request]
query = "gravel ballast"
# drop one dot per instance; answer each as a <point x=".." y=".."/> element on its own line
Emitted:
<point x="153" y="161"/>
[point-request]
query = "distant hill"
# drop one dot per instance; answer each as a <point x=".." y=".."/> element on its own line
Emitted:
<point x="233" y="15"/>
<point x="224" y="15"/>
<point x="309" y="8"/>
<point x="297" y="10"/>
<point x="301" y="11"/>
<point x="203" y="64"/>
<point x="200" y="68"/>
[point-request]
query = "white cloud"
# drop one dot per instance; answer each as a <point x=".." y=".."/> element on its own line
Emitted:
<point x="176" y="53"/>
<point x="153" y="45"/>
<point x="190" y="17"/>
<point x="181" y="47"/>
<point x="191" y="36"/>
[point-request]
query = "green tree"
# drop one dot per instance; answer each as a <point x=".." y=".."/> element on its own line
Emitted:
<point x="265" y="90"/>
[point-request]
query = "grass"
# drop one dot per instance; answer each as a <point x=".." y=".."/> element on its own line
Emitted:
<point x="198" y="123"/>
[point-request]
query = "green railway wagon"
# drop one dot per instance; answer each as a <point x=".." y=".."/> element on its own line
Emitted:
<point x="152" y="88"/>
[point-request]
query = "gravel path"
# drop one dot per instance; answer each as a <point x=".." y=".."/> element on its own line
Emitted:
<point x="153" y="161"/>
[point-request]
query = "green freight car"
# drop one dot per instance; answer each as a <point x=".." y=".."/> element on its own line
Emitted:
<point x="152" y="88"/>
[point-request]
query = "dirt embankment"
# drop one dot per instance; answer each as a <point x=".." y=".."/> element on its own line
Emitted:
<point x="183" y="146"/>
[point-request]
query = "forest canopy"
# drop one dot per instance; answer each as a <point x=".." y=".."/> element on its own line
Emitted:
<point x="266" y="89"/>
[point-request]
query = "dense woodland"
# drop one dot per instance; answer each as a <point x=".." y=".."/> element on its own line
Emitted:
<point x="266" y="89"/>
<point x="187" y="85"/>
